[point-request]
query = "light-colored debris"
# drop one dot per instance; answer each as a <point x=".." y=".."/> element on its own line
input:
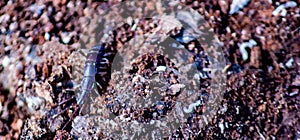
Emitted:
<point x="236" y="5"/>
<point x="295" y="92"/>
<point x="221" y="126"/>
<point x="5" y="61"/>
<point x="243" y="46"/>
<point x="176" y="87"/>
<point x="289" y="63"/>
<point x="161" y="68"/>
<point x="191" y="107"/>
<point x="37" y="9"/>
<point x="47" y="36"/>
<point x="281" y="9"/>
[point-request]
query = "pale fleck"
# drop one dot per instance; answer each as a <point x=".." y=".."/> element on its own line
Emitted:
<point x="236" y="5"/>
<point x="5" y="61"/>
<point x="176" y="87"/>
<point x="289" y="63"/>
<point x="221" y="126"/>
<point x="280" y="10"/>
<point x="161" y="68"/>
<point x="191" y="107"/>
<point x="47" y="36"/>
<point x="37" y="8"/>
<point x="243" y="46"/>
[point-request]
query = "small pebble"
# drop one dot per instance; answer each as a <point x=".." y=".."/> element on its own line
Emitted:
<point x="280" y="10"/>
<point x="4" y="18"/>
<point x="5" y="61"/>
<point x="243" y="46"/>
<point x="191" y="107"/>
<point x="47" y="36"/>
<point x="221" y="126"/>
<point x="289" y="63"/>
<point x="236" y="5"/>
<point x="138" y="78"/>
<point x="176" y="87"/>
<point x="161" y="68"/>
<point x="13" y="26"/>
<point x="37" y="9"/>
<point x="293" y="93"/>
<point x="66" y="37"/>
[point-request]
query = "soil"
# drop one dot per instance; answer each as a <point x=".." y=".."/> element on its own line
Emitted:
<point x="39" y="57"/>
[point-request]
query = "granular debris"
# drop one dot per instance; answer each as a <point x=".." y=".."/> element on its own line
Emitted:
<point x="39" y="43"/>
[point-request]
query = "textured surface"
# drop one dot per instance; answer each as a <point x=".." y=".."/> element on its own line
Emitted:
<point x="38" y="61"/>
